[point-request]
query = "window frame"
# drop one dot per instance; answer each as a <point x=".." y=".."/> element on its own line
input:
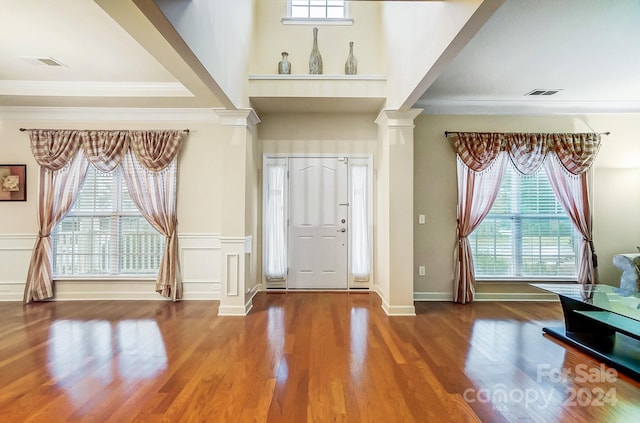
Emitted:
<point x="517" y="253"/>
<point x="115" y="215"/>
<point x="290" y="20"/>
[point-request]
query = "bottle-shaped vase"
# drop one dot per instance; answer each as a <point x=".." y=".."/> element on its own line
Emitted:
<point x="315" y="59"/>
<point x="351" y="65"/>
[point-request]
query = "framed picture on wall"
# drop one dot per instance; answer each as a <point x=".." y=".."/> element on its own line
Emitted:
<point x="13" y="182"/>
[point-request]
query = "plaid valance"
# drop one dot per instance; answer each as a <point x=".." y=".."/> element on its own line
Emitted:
<point x="527" y="151"/>
<point x="154" y="149"/>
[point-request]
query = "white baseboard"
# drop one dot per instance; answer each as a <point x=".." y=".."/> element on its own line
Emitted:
<point x="390" y="310"/>
<point x="398" y="310"/>
<point x="433" y="296"/>
<point x="515" y="296"/>
<point x="235" y="310"/>
<point x="240" y="310"/>
<point x="11" y="291"/>
<point x="487" y="296"/>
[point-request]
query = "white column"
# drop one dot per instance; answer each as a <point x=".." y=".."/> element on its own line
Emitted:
<point x="236" y="252"/>
<point x="394" y="207"/>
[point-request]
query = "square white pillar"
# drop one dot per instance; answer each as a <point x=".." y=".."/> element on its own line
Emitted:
<point x="394" y="206"/>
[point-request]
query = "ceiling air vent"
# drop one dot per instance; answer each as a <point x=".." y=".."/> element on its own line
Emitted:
<point x="46" y="61"/>
<point x="543" y="92"/>
<point x="49" y="61"/>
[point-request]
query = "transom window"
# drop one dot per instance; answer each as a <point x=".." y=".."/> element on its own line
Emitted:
<point x="104" y="234"/>
<point x="317" y="9"/>
<point x="526" y="234"/>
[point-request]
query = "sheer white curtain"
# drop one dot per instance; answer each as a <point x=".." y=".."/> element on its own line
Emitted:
<point x="275" y="228"/>
<point x="360" y="251"/>
<point x="477" y="191"/>
<point x="572" y="193"/>
<point x="155" y="195"/>
<point x="59" y="188"/>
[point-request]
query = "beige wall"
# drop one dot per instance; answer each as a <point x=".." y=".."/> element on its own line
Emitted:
<point x="18" y="217"/>
<point x="201" y="179"/>
<point x="318" y="133"/>
<point x="616" y="226"/>
<point x="616" y="180"/>
<point x="200" y="183"/>
<point x="202" y="146"/>
<point x="271" y="37"/>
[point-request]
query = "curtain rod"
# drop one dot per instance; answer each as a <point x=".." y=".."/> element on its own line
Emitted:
<point x="446" y="133"/>
<point x="26" y="129"/>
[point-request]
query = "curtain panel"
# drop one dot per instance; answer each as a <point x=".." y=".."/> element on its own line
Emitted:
<point x="477" y="191"/>
<point x="361" y="251"/>
<point x="64" y="156"/>
<point x="275" y="234"/>
<point x="57" y="192"/>
<point x="481" y="157"/>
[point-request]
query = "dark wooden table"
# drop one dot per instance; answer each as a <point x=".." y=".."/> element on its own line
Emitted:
<point x="600" y="320"/>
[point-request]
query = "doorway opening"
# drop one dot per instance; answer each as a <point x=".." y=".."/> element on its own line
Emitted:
<point x="317" y="222"/>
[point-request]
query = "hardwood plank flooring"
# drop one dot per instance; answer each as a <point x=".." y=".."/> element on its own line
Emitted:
<point x="299" y="357"/>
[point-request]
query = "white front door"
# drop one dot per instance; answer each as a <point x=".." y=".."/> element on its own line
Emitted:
<point x="318" y="216"/>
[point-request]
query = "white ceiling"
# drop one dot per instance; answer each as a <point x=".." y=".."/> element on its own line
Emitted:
<point x="589" y="49"/>
<point x="103" y="65"/>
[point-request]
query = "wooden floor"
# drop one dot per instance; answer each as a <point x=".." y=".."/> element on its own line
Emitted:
<point x="299" y="357"/>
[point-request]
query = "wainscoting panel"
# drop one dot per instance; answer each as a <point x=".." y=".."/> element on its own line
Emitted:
<point x="15" y="254"/>
<point x="199" y="266"/>
<point x="233" y="274"/>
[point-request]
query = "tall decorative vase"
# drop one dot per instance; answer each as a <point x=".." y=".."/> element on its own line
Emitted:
<point x="315" y="59"/>
<point x="351" y="65"/>
<point x="284" y="67"/>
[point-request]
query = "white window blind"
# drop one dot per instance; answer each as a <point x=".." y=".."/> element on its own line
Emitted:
<point x="104" y="233"/>
<point x="317" y="9"/>
<point x="526" y="234"/>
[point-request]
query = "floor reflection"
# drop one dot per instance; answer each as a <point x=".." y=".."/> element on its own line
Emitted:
<point x="276" y="334"/>
<point x="359" y="330"/>
<point x="76" y="347"/>
<point x="499" y="351"/>
<point x="81" y="348"/>
<point x="141" y="348"/>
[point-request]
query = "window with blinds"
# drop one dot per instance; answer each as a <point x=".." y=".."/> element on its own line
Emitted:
<point x="526" y="234"/>
<point x="104" y="234"/>
<point x="317" y="9"/>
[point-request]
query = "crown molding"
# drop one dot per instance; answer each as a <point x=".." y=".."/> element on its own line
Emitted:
<point x="93" y="89"/>
<point x="500" y="107"/>
<point x="101" y="114"/>
<point x="397" y="118"/>
<point x="240" y="117"/>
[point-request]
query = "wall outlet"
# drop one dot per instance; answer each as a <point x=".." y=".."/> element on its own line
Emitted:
<point x="421" y="219"/>
<point x="421" y="271"/>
